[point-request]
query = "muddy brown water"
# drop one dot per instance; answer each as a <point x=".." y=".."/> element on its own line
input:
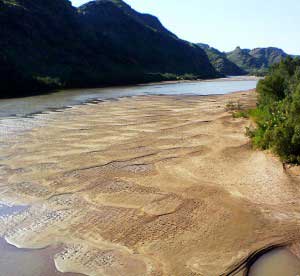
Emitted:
<point x="278" y="262"/>
<point x="26" y="262"/>
<point x="23" y="262"/>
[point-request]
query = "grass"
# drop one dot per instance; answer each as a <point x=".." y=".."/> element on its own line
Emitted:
<point x="241" y="114"/>
<point x="239" y="111"/>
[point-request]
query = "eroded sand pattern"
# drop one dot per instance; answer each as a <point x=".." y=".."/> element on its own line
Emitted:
<point x="150" y="185"/>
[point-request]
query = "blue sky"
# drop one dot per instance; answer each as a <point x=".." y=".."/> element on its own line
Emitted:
<point x="225" y="24"/>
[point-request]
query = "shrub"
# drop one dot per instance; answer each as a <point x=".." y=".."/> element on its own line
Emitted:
<point x="278" y="112"/>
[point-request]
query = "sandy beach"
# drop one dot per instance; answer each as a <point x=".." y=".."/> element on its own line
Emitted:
<point x="147" y="185"/>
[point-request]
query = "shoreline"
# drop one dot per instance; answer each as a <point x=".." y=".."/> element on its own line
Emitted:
<point x="27" y="262"/>
<point x="229" y="78"/>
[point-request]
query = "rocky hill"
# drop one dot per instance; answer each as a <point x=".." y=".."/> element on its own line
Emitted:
<point x="48" y="44"/>
<point x="256" y="61"/>
<point x="243" y="61"/>
<point x="221" y="63"/>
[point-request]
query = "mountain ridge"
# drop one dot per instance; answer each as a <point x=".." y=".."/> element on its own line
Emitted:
<point x="257" y="60"/>
<point x="240" y="61"/>
<point x="49" y="44"/>
<point x="220" y="61"/>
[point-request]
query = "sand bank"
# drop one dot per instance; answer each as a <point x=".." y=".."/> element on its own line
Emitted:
<point x="149" y="185"/>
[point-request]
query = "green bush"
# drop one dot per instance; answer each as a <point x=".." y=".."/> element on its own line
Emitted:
<point x="241" y="114"/>
<point x="278" y="112"/>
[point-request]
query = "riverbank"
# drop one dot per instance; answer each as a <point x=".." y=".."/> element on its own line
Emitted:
<point x="147" y="185"/>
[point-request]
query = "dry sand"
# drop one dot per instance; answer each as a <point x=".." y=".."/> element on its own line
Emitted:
<point x="149" y="185"/>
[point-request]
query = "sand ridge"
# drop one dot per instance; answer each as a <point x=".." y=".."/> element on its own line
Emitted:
<point x="148" y="185"/>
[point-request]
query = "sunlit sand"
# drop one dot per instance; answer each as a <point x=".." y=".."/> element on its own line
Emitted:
<point x="148" y="185"/>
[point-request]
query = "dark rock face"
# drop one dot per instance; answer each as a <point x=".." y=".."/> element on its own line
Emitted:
<point x="221" y="63"/>
<point x="46" y="44"/>
<point x="256" y="61"/>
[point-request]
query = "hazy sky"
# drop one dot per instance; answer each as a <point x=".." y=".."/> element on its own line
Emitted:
<point x="225" y="24"/>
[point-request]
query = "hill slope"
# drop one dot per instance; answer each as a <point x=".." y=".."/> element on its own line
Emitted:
<point x="46" y="44"/>
<point x="221" y="63"/>
<point x="257" y="60"/>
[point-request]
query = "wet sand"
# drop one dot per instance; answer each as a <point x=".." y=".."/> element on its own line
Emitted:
<point x="149" y="185"/>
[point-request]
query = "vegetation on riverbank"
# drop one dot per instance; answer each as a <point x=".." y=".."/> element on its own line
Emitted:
<point x="277" y="115"/>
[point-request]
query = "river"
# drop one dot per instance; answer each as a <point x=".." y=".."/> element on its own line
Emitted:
<point x="25" y="106"/>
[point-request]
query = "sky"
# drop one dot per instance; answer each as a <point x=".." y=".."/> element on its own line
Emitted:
<point x="226" y="24"/>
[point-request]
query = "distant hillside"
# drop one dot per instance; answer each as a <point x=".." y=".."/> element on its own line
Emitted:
<point x="244" y="61"/>
<point x="48" y="44"/>
<point x="221" y="63"/>
<point x="256" y="61"/>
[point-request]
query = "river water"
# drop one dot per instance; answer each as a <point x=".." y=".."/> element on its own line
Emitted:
<point x="25" y="262"/>
<point x="24" y="106"/>
<point x="278" y="262"/>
